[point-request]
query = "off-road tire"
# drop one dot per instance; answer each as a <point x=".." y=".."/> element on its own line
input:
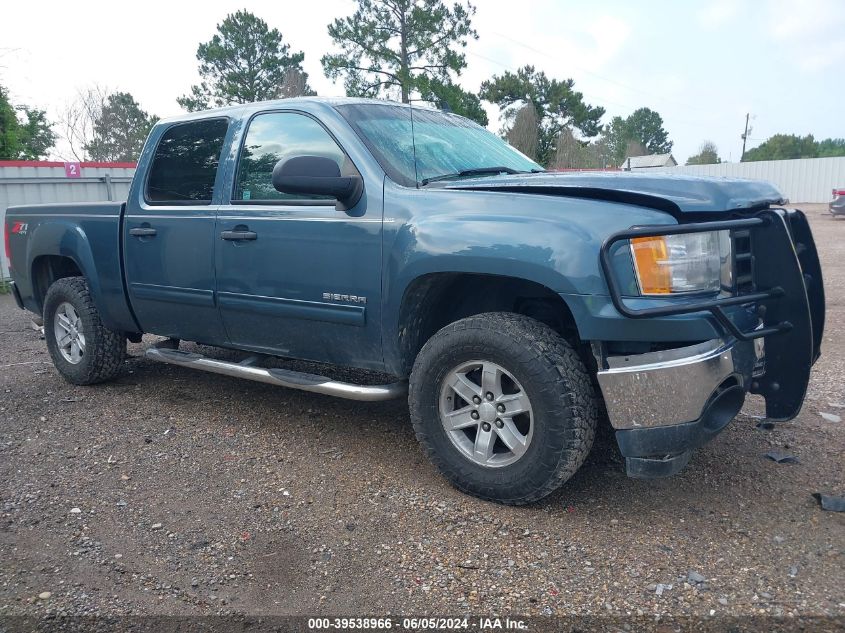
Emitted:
<point x="105" y="349"/>
<point x="556" y="381"/>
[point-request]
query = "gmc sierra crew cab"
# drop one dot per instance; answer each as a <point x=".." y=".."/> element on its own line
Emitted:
<point x="517" y="308"/>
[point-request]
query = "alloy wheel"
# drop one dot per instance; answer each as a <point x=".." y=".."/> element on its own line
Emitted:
<point x="486" y="413"/>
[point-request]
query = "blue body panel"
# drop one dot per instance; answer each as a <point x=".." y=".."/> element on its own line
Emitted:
<point x="88" y="234"/>
<point x="170" y="277"/>
<point x="288" y="292"/>
<point x="272" y="292"/>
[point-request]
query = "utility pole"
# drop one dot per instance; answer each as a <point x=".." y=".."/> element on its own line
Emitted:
<point x="744" y="137"/>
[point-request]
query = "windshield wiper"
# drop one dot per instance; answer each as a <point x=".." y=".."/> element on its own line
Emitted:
<point x="478" y="171"/>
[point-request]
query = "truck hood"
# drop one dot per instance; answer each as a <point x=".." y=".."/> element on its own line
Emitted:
<point x="674" y="193"/>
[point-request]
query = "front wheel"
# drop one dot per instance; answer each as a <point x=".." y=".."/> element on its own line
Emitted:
<point x="503" y="406"/>
<point x="83" y="350"/>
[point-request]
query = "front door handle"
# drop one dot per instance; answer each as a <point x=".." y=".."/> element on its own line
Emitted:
<point x="239" y="235"/>
<point x="142" y="232"/>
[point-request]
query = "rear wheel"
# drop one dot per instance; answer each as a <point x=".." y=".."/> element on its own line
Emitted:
<point x="83" y="350"/>
<point x="503" y="406"/>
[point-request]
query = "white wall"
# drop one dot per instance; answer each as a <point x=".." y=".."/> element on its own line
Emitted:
<point x="801" y="180"/>
<point x="46" y="184"/>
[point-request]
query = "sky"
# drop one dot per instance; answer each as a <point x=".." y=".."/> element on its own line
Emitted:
<point x="701" y="64"/>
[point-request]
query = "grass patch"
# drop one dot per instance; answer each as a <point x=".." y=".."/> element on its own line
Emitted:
<point x="5" y="287"/>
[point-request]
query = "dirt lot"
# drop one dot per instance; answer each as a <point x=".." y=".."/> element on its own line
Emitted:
<point x="172" y="491"/>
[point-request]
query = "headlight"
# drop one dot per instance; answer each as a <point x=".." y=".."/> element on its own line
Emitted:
<point x="689" y="262"/>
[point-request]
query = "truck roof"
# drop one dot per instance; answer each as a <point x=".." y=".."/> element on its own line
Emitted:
<point x="237" y="109"/>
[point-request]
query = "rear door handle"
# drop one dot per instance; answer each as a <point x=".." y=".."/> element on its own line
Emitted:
<point x="239" y="235"/>
<point x="142" y="232"/>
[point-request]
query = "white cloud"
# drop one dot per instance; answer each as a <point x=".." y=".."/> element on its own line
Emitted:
<point x="718" y="13"/>
<point x="807" y="19"/>
<point x="610" y="34"/>
<point x="810" y="31"/>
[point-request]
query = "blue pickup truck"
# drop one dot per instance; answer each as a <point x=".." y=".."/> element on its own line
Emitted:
<point x="518" y="309"/>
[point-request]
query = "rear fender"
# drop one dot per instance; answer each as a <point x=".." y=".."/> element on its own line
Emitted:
<point x="65" y="239"/>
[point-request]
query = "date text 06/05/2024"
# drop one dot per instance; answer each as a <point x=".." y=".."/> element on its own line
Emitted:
<point x="419" y="624"/>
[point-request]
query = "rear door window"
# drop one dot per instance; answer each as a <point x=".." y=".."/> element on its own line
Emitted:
<point x="185" y="163"/>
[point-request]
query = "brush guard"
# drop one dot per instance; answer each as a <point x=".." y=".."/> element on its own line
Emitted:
<point x="786" y="290"/>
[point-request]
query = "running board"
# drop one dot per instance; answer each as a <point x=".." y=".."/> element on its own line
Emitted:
<point x="280" y="377"/>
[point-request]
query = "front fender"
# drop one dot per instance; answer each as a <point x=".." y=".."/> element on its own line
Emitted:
<point x="548" y="240"/>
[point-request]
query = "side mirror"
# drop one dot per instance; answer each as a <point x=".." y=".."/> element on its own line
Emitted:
<point x="317" y="175"/>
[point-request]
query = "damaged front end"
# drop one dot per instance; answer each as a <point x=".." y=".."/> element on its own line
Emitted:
<point x="665" y="403"/>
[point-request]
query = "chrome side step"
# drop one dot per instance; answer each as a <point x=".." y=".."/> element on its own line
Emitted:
<point x="280" y="377"/>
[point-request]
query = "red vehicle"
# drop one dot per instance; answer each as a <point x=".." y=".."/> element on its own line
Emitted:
<point x="837" y="205"/>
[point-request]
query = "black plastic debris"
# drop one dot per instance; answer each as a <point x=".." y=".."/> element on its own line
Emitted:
<point x="765" y="426"/>
<point x="782" y="458"/>
<point x="830" y="503"/>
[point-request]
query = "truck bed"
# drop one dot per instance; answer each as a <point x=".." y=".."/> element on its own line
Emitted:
<point x="84" y="235"/>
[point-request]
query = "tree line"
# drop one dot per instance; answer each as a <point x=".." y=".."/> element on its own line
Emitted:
<point x="406" y="50"/>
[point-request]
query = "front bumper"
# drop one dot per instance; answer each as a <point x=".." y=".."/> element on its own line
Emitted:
<point x="673" y="386"/>
<point x="664" y="404"/>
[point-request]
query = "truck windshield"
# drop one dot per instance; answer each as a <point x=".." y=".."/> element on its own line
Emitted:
<point x="447" y="146"/>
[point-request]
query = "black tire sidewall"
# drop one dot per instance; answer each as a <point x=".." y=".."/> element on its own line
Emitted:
<point x="546" y="390"/>
<point x="68" y="291"/>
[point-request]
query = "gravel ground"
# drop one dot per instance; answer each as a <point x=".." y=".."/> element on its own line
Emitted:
<point x="172" y="491"/>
